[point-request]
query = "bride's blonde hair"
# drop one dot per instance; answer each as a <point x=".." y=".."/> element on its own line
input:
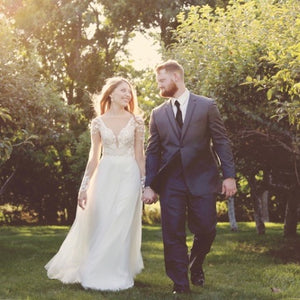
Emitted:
<point x="102" y="101"/>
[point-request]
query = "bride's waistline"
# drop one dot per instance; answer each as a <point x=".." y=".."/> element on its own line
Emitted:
<point x="117" y="155"/>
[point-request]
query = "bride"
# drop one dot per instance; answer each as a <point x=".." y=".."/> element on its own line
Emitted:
<point x="102" y="250"/>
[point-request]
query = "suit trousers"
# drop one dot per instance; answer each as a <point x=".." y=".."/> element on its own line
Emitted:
<point x="177" y="206"/>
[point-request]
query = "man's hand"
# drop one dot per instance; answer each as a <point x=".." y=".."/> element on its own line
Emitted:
<point x="149" y="196"/>
<point x="82" y="199"/>
<point x="229" y="187"/>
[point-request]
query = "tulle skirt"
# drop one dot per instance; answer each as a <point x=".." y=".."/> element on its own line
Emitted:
<point x="102" y="250"/>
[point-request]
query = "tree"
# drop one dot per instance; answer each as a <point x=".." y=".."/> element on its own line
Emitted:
<point x="226" y="54"/>
<point x="159" y="14"/>
<point x="78" y="44"/>
<point x="34" y="118"/>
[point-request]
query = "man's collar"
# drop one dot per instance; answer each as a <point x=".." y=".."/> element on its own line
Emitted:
<point x="182" y="98"/>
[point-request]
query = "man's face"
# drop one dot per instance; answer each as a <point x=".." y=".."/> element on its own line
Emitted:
<point x="166" y="83"/>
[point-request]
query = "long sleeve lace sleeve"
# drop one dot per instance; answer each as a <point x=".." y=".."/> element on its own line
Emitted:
<point x="139" y="147"/>
<point x="84" y="183"/>
<point x="140" y="129"/>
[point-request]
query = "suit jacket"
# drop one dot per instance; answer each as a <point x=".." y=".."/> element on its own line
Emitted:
<point x="203" y="134"/>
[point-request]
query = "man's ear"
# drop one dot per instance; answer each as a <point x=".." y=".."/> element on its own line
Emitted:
<point x="176" y="76"/>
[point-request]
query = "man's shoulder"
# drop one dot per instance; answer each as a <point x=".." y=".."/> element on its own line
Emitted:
<point x="201" y="99"/>
<point x="161" y="106"/>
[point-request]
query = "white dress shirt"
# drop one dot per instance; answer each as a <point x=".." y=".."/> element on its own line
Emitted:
<point x="183" y="100"/>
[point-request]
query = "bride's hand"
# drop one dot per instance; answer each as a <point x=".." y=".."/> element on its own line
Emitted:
<point x="82" y="198"/>
<point x="149" y="196"/>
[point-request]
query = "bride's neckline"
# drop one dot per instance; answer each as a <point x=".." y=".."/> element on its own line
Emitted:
<point x="109" y="128"/>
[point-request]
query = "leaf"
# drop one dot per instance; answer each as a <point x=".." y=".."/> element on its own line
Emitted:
<point x="269" y="94"/>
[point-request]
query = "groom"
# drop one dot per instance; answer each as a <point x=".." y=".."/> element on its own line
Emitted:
<point x="186" y="133"/>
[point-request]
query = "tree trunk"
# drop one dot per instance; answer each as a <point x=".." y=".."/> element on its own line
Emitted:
<point x="231" y="214"/>
<point x="258" y="215"/>
<point x="264" y="199"/>
<point x="260" y="225"/>
<point x="290" y="221"/>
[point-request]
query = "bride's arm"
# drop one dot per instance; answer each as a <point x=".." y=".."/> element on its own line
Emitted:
<point x="92" y="163"/>
<point x="139" y="147"/>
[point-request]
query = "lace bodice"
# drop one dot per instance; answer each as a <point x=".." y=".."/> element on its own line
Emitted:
<point x="123" y="143"/>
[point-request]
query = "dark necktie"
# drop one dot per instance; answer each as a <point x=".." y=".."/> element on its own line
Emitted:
<point x="178" y="114"/>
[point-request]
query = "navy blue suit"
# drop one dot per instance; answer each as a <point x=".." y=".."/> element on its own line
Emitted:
<point x="181" y="166"/>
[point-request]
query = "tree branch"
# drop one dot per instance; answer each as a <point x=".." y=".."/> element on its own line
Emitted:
<point x="4" y="186"/>
<point x="248" y="133"/>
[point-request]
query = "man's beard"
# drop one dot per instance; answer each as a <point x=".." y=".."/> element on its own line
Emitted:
<point x="169" y="91"/>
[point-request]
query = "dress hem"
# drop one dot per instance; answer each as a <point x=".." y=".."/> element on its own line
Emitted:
<point x="97" y="289"/>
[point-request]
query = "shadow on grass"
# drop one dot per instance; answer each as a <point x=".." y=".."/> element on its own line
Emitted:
<point x="288" y="250"/>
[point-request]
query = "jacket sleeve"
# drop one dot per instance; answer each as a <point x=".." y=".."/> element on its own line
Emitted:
<point x="153" y="151"/>
<point x="221" y="142"/>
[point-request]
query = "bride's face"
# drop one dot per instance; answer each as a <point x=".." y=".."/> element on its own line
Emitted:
<point x="121" y="95"/>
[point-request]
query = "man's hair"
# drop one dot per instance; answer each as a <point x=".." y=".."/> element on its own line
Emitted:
<point x="170" y="66"/>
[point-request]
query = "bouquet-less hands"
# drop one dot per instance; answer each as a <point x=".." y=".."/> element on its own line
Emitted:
<point x="228" y="190"/>
<point x="229" y="187"/>
<point x="82" y="199"/>
<point x="149" y="196"/>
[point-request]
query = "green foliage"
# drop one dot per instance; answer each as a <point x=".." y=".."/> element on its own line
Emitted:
<point x="79" y="158"/>
<point x="151" y="214"/>
<point x="247" y="57"/>
<point x="32" y="109"/>
<point x="5" y="142"/>
<point x="159" y="13"/>
<point x="148" y="93"/>
<point x="35" y="131"/>
<point x="77" y="41"/>
<point x="222" y="210"/>
<point x="54" y="53"/>
<point x="283" y="54"/>
<point x="17" y="215"/>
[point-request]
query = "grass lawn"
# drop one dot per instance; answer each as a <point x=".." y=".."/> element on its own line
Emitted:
<point x="241" y="265"/>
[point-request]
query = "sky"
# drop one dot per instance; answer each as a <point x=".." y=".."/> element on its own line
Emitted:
<point x="143" y="49"/>
<point x="144" y="52"/>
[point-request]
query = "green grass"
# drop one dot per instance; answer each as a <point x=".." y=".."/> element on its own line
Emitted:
<point x="241" y="265"/>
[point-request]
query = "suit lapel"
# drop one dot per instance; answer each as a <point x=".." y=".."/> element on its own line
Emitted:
<point x="188" y="116"/>
<point x="171" y="117"/>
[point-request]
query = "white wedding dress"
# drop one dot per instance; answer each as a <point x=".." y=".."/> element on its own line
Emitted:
<point x="102" y="250"/>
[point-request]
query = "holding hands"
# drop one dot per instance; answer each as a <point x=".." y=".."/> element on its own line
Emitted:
<point x="149" y="196"/>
